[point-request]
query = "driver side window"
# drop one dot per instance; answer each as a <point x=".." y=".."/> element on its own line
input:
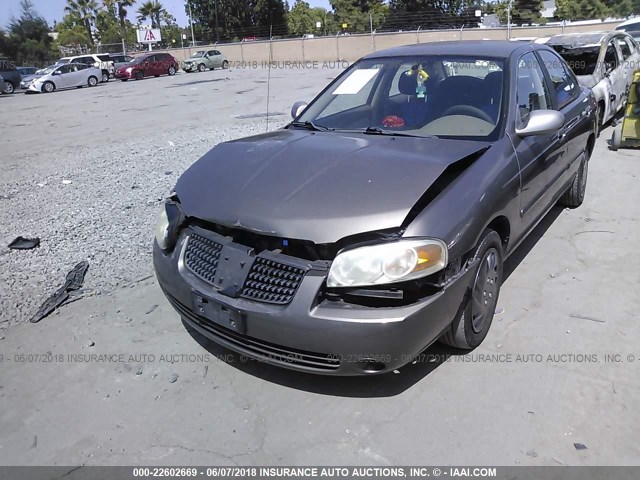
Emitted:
<point x="611" y="59"/>
<point x="531" y="90"/>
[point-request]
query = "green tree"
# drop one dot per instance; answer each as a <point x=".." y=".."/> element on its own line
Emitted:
<point x="127" y="35"/>
<point x="355" y="14"/>
<point x="527" y="12"/>
<point x="581" y="9"/>
<point x="301" y="19"/>
<point x="153" y="10"/>
<point x="27" y="39"/>
<point x="85" y="12"/>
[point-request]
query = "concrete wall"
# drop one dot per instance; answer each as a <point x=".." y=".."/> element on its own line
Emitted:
<point x="352" y="47"/>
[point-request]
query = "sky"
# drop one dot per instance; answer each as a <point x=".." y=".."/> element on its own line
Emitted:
<point x="54" y="9"/>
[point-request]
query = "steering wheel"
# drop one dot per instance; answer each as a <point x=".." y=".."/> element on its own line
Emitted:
<point x="468" y="110"/>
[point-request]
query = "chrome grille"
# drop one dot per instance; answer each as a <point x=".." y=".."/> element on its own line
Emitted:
<point x="201" y="257"/>
<point x="272" y="282"/>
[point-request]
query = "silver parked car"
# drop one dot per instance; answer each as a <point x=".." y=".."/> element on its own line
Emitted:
<point x="602" y="61"/>
<point x="69" y="75"/>
<point x="205" y="59"/>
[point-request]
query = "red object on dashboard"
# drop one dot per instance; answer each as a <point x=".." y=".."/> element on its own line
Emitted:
<point x="393" y="121"/>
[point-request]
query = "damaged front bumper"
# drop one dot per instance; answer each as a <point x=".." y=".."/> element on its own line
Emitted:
<point x="310" y="332"/>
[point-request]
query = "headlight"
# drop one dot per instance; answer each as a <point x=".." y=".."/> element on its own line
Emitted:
<point x="388" y="263"/>
<point x="129" y="69"/>
<point x="168" y="224"/>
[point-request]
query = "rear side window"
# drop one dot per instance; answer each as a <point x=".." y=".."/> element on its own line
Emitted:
<point x="624" y="48"/>
<point x="531" y="89"/>
<point x="611" y="59"/>
<point x="564" y="85"/>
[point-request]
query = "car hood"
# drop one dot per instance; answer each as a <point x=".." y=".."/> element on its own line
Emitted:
<point x="317" y="186"/>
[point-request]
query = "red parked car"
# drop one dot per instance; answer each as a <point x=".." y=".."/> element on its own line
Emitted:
<point x="149" y="65"/>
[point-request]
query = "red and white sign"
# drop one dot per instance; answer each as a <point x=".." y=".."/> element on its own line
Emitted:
<point x="151" y="35"/>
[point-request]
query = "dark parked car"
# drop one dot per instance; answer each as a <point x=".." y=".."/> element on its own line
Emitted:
<point x="11" y="76"/>
<point x="120" y="59"/>
<point x="377" y="222"/>
<point x="150" y="65"/>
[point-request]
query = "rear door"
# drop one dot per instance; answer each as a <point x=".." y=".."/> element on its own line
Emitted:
<point x="616" y="73"/>
<point x="567" y="99"/>
<point x="536" y="154"/>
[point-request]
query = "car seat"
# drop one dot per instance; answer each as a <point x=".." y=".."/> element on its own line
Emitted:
<point x="414" y="111"/>
<point x="492" y="91"/>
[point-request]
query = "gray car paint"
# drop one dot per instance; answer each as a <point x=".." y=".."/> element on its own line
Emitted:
<point x="315" y="186"/>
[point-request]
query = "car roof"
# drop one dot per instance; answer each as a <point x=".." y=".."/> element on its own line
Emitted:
<point x="631" y="21"/>
<point x="486" y="48"/>
<point x="584" y="39"/>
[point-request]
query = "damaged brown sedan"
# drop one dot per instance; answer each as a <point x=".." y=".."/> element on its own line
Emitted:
<point x="378" y="221"/>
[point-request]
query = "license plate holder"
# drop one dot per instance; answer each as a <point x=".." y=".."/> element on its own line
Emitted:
<point x="220" y="314"/>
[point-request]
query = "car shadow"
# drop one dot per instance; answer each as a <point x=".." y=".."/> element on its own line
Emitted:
<point x="375" y="386"/>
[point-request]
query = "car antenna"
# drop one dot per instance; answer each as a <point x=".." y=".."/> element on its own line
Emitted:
<point x="269" y="72"/>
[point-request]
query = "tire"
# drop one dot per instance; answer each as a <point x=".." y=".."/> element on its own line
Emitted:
<point x="105" y="76"/>
<point x="616" y="138"/>
<point x="124" y="79"/>
<point x="139" y="75"/>
<point x="93" y="81"/>
<point x="48" y="87"/>
<point x="599" y="118"/>
<point x="9" y="88"/>
<point x="172" y="71"/>
<point x="475" y="315"/>
<point x="574" y="196"/>
<point x="201" y="68"/>
<point x="225" y="64"/>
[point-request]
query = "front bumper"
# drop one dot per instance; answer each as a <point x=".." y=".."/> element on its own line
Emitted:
<point x="124" y="74"/>
<point x="310" y="334"/>
<point x="189" y="67"/>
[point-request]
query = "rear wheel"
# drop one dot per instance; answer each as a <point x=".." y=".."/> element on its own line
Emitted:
<point x="201" y="68"/>
<point x="48" y="87"/>
<point x="172" y="70"/>
<point x="124" y="79"/>
<point x="93" y="81"/>
<point x="616" y="137"/>
<point x="225" y="64"/>
<point x="472" y="323"/>
<point x="105" y="76"/>
<point x="9" y="88"/>
<point x="574" y="196"/>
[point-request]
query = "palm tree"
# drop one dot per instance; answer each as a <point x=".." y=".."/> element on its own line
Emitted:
<point x="151" y="9"/>
<point x="85" y="12"/>
<point x="122" y="13"/>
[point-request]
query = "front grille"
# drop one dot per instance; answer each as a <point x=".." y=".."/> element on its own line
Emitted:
<point x="260" y="349"/>
<point x="272" y="282"/>
<point x="201" y="257"/>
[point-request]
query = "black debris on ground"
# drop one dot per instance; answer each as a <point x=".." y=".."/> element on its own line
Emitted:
<point x="21" y="243"/>
<point x="74" y="281"/>
<point x="580" y="446"/>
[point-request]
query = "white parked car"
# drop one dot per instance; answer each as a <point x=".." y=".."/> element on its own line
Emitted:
<point x="70" y="75"/>
<point x="102" y="61"/>
<point x="632" y="27"/>
<point x="602" y="61"/>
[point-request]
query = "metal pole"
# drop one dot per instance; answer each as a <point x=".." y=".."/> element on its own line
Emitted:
<point x="215" y="6"/>
<point x="193" y="37"/>
<point x="373" y="46"/>
<point x="509" y="19"/>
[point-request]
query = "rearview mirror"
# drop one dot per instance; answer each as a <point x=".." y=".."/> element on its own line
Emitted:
<point x="297" y="109"/>
<point x="542" y="122"/>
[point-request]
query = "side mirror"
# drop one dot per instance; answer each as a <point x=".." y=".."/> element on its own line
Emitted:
<point x="297" y="109"/>
<point x="542" y="122"/>
<point x="57" y="72"/>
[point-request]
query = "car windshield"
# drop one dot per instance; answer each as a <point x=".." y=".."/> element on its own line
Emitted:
<point x="63" y="61"/>
<point x="198" y="54"/>
<point x="582" y="60"/>
<point x="447" y="96"/>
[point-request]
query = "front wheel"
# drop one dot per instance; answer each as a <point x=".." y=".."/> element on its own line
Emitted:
<point x="48" y="87"/>
<point x="616" y="138"/>
<point x="139" y="75"/>
<point x="472" y="323"/>
<point x="93" y="81"/>
<point x="201" y="68"/>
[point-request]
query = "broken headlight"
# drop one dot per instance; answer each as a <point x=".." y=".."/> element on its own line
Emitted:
<point x="388" y="263"/>
<point x="168" y="224"/>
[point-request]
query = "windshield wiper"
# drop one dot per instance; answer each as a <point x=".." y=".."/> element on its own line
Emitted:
<point x="311" y="126"/>
<point x="380" y="131"/>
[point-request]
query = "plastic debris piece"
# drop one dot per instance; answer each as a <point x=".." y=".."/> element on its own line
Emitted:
<point x="580" y="446"/>
<point x="73" y="282"/>
<point x="21" y="243"/>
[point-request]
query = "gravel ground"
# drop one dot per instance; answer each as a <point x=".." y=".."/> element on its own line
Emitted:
<point x="90" y="196"/>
